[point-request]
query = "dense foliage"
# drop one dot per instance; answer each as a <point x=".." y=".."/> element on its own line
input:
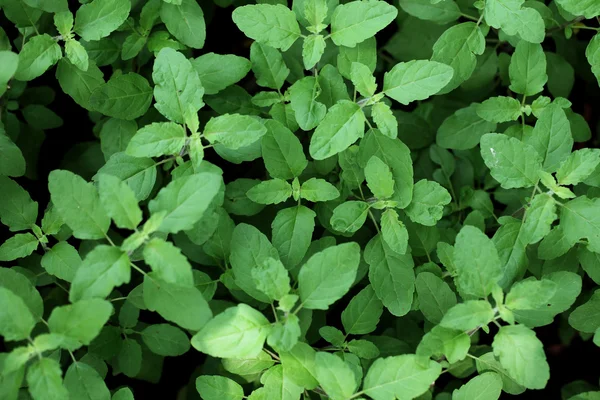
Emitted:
<point x="322" y="214"/>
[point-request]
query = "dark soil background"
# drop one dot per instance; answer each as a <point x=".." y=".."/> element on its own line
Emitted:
<point x="567" y="363"/>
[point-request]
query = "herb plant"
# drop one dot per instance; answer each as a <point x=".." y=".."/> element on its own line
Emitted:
<point x="362" y="200"/>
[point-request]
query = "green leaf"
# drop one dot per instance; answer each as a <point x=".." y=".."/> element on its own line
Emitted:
<point x="463" y="129"/>
<point x="443" y="342"/>
<point x="272" y="191"/>
<point x="363" y="349"/>
<point x="435" y="296"/>
<point x="427" y="205"/>
<point x="332" y="335"/>
<point x="99" y="18"/>
<point x="586" y="318"/>
<point x="335" y="376"/>
<point x="282" y="152"/>
<point x="349" y="216"/>
<point x="363" y="79"/>
<point x="20" y="285"/>
<point x="303" y="94"/>
<point x="218" y="71"/>
<point x="579" y="219"/>
<point x="477" y="262"/>
<point x="271" y="278"/>
<point x="212" y="387"/>
<point x="185" y="200"/>
<point x="62" y="261"/>
<point x="84" y="382"/>
<point x="129" y="359"/>
<point x="103" y="269"/>
<point x="125" y="96"/>
<point x="551" y="137"/>
<point x="44" y="378"/>
<point x="588" y="9"/>
<point x="77" y="83"/>
<point x="234" y="130"/>
<point x="178" y="91"/>
<point x="167" y="262"/>
<point x="379" y="178"/>
<point x="592" y="54"/>
<point x="185" y="21"/>
<point x="312" y="50"/>
<point x="521" y="353"/>
<point x="133" y="44"/>
<point x="79" y="205"/>
<point x="342" y="126"/>
<point x="357" y="21"/>
<point x="499" y="109"/>
<point x="394" y="231"/>
<point x="539" y="218"/>
<point x="468" y="316"/>
<point x="77" y="54"/>
<point x="362" y="313"/>
<point x="527" y="68"/>
<point x="487" y="386"/>
<point x="115" y="136"/>
<point x="81" y="321"/>
<point x="509" y="16"/>
<point x="530" y="294"/>
<point x="37" y="55"/>
<point x="328" y="275"/>
<point x="511" y="162"/>
<point x="299" y="365"/>
<point x="457" y="47"/>
<point x="19" y="246"/>
<point x="578" y="166"/>
<point x="590" y="262"/>
<point x="488" y="362"/>
<point x="316" y="189"/>
<point x="441" y="12"/>
<point x="12" y="162"/>
<point x="268" y="66"/>
<point x="400" y="376"/>
<point x="138" y="173"/>
<point x="416" y="80"/>
<point x="166" y="340"/>
<point x="10" y="61"/>
<point x="284" y="336"/>
<point x="119" y="202"/>
<point x="273" y="25"/>
<point x="391" y="275"/>
<point x="157" y="139"/>
<point x="16" y="321"/>
<point x="17" y="211"/>
<point x="237" y="332"/>
<point x="385" y="120"/>
<point x="292" y="232"/>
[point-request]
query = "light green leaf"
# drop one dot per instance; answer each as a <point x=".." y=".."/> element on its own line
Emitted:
<point x="157" y="139"/>
<point x="440" y="12"/>
<point x="138" y="173"/>
<point x="391" y="275"/>
<point x="282" y="152"/>
<point x="379" y="178"/>
<point x="79" y="205"/>
<point x="303" y="99"/>
<point x="463" y="129"/>
<point x="103" y="269"/>
<point x="166" y="340"/>
<point x="273" y="25"/>
<point x="299" y="365"/>
<point x="477" y="262"/>
<point x="19" y="246"/>
<point x="312" y="50"/>
<point x="237" y="332"/>
<point x="487" y="386"/>
<point x="427" y="205"/>
<point x="578" y="166"/>
<point x="12" y="162"/>
<point x="592" y="54"/>
<point x="590" y="262"/>
<point x="77" y="54"/>
<point x="185" y="21"/>
<point x="342" y="126"/>
<point x="16" y="321"/>
<point x="119" y="202"/>
<point x="488" y="362"/>
<point x="530" y="294"/>
<point x="37" y="55"/>
<point x="394" y="231"/>
<point x="349" y="216"/>
<point x="363" y="79"/>
<point x="527" y="68"/>
<point x="271" y="278"/>
<point x="62" y="261"/>
<point x="521" y="353"/>
<point x="435" y="296"/>
<point x="125" y="96"/>
<point x="234" y="131"/>
<point x="21" y="286"/>
<point x="511" y="162"/>
<point x="332" y="335"/>
<point x="185" y="200"/>
<point x="84" y="382"/>
<point x="268" y="66"/>
<point x="539" y="218"/>
<point x="81" y="321"/>
<point x="357" y="21"/>
<point x="218" y="71"/>
<point x="469" y="315"/>
<point x="551" y="137"/>
<point x="509" y="16"/>
<point x="178" y="90"/>
<point x="443" y="342"/>
<point x="77" y="83"/>
<point x="285" y="335"/>
<point x="579" y="218"/>
<point x="212" y="387"/>
<point x="586" y="317"/>
<point x="182" y="305"/>
<point x="44" y="378"/>
<point x="335" y="376"/>
<point x="416" y="80"/>
<point x="385" y="120"/>
<point x="316" y="189"/>
<point x="292" y="233"/>
<point x="499" y="109"/>
<point x="362" y="313"/>
<point x="99" y="18"/>
<point x="328" y="275"/>
<point x="272" y="191"/>
<point x="167" y="262"/>
<point x="586" y="8"/>
<point x="400" y="377"/>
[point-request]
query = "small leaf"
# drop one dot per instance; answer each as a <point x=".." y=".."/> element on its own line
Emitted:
<point x="469" y="315"/>
<point x="273" y="25"/>
<point x="273" y="191"/>
<point x="416" y="80"/>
